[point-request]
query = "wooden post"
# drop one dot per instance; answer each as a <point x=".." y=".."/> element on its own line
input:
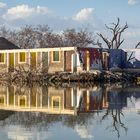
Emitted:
<point x="88" y="100"/>
<point x="88" y="60"/>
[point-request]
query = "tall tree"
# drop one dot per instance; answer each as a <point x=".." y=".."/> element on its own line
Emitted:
<point x="42" y="36"/>
<point x="47" y="38"/>
<point x="116" y="30"/>
<point x="27" y="37"/>
<point x="80" y="38"/>
<point x="4" y="32"/>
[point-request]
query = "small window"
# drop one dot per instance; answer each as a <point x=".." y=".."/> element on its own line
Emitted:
<point x="22" y="57"/>
<point x="55" y="55"/>
<point x="56" y="102"/>
<point x="1" y="100"/>
<point x="22" y="101"/>
<point x="1" y="57"/>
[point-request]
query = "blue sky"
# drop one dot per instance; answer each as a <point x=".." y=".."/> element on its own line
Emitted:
<point x="62" y="14"/>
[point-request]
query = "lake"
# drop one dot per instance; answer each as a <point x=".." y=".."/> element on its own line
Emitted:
<point x="70" y="112"/>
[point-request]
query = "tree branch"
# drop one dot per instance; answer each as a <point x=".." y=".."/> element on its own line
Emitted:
<point x="105" y="40"/>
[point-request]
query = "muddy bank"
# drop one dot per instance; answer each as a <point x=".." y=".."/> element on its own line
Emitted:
<point x="63" y="77"/>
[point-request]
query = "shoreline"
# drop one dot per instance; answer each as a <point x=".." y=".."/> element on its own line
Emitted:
<point x="29" y="77"/>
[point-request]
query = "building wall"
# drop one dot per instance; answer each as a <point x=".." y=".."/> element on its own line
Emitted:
<point x="64" y="63"/>
<point x="94" y="57"/>
<point x="57" y="66"/>
<point x="22" y="65"/>
<point x="3" y="66"/>
<point x="68" y="60"/>
<point x="117" y="58"/>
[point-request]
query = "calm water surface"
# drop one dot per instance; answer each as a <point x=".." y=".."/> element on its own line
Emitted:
<point x="108" y="112"/>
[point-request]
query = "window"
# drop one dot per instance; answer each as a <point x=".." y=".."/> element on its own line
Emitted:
<point x="1" y="57"/>
<point x="55" y="55"/>
<point x="22" y="57"/>
<point x="22" y="101"/>
<point x="55" y="102"/>
<point x="1" y="100"/>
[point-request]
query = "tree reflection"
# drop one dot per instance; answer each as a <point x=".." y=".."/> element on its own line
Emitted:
<point x="116" y="115"/>
<point x="114" y="95"/>
<point x="106" y="102"/>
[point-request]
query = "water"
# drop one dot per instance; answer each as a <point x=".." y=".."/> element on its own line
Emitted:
<point x="107" y="112"/>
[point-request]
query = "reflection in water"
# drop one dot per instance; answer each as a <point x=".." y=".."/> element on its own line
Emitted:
<point x="75" y="107"/>
<point x="40" y="99"/>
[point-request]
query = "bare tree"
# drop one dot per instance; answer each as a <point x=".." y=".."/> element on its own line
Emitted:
<point x="137" y="45"/>
<point x="27" y="37"/>
<point x="44" y="33"/>
<point x="116" y="120"/>
<point x="131" y="57"/>
<point x="42" y="36"/>
<point x="99" y="44"/>
<point x="47" y="38"/>
<point x="80" y="38"/>
<point x="53" y="40"/>
<point x="4" y="32"/>
<point x="9" y="34"/>
<point x="116" y="30"/>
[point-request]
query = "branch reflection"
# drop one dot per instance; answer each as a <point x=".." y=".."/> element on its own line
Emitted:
<point x="73" y="105"/>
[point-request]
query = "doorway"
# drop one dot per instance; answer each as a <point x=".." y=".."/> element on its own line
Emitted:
<point x="33" y="60"/>
<point x="11" y="62"/>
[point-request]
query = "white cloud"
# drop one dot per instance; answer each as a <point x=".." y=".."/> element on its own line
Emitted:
<point x="2" y="4"/>
<point x="24" y="11"/>
<point x="42" y="10"/>
<point x="84" y="132"/>
<point x="132" y="2"/>
<point x="20" y="15"/>
<point x="84" y="14"/>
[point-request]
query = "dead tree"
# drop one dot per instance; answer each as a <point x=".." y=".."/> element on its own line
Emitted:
<point x="131" y="55"/>
<point x="116" y="120"/>
<point x="116" y="30"/>
<point x="98" y="43"/>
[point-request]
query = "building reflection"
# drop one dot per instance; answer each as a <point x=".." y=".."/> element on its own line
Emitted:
<point x="71" y="100"/>
<point x="93" y="100"/>
<point x="124" y="97"/>
<point x="51" y="100"/>
<point x="42" y="99"/>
